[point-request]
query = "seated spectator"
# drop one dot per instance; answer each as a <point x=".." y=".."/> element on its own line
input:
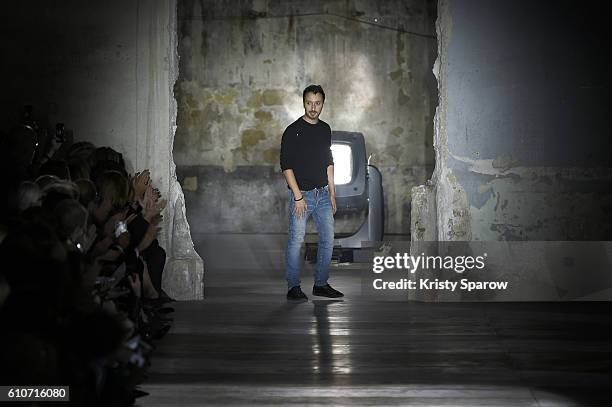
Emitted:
<point x="112" y="188"/>
<point x="79" y="168"/>
<point x="44" y="180"/>
<point x="82" y="298"/>
<point x="59" y="168"/>
<point x="105" y="158"/>
<point x="104" y="166"/>
<point x="80" y="149"/>
<point x="71" y="223"/>
<point x="87" y="192"/>
<point x="29" y="195"/>
<point x="57" y="191"/>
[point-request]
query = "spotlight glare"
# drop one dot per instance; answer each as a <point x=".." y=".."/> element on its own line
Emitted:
<point x="343" y="163"/>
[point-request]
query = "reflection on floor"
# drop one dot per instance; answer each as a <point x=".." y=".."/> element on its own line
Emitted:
<point x="245" y="345"/>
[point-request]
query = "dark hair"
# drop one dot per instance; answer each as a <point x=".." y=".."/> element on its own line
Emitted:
<point x="80" y="149"/>
<point x="59" y="168"/>
<point x="113" y="185"/>
<point x="103" y="154"/>
<point x="69" y="214"/>
<point x="79" y="168"/>
<point x="87" y="191"/>
<point x="313" y="89"/>
<point x="58" y="191"/>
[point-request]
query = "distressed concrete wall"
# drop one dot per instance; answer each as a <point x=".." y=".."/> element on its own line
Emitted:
<point x="106" y="69"/>
<point x="242" y="70"/>
<point x="522" y="129"/>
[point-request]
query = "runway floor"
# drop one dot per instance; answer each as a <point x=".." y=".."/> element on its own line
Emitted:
<point x="246" y="345"/>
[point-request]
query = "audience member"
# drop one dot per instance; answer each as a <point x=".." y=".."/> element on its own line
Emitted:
<point x="29" y="195"/>
<point x="80" y="291"/>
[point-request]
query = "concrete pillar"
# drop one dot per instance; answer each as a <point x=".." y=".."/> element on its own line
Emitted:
<point x="440" y="209"/>
<point x="156" y="73"/>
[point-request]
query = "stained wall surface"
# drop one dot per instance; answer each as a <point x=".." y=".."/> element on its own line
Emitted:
<point x="522" y="141"/>
<point x="522" y="129"/>
<point x="242" y="71"/>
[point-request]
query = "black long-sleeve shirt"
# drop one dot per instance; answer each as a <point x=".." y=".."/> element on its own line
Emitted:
<point x="306" y="149"/>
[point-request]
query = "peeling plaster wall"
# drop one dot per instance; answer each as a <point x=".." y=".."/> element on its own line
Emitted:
<point x="106" y="70"/>
<point x="522" y="147"/>
<point x="240" y="85"/>
<point x="522" y="129"/>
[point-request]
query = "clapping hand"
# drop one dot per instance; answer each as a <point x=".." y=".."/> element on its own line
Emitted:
<point x="140" y="182"/>
<point x="153" y="206"/>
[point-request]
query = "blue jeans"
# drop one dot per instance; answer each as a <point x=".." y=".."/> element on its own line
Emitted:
<point x="319" y="206"/>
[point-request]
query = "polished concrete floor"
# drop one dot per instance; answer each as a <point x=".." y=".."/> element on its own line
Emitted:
<point x="246" y="345"/>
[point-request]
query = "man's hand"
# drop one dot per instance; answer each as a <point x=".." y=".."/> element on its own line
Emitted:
<point x="300" y="207"/>
<point x="331" y="187"/>
<point x="332" y="198"/>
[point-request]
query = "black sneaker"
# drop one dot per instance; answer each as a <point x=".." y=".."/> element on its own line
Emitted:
<point x="296" y="294"/>
<point x="326" y="291"/>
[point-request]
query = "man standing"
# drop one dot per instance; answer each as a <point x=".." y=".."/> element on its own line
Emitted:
<point x="308" y="167"/>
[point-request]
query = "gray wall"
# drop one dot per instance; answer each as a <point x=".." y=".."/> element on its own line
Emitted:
<point x="522" y="132"/>
<point x="76" y="64"/>
<point x="522" y="143"/>
<point x="240" y="85"/>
